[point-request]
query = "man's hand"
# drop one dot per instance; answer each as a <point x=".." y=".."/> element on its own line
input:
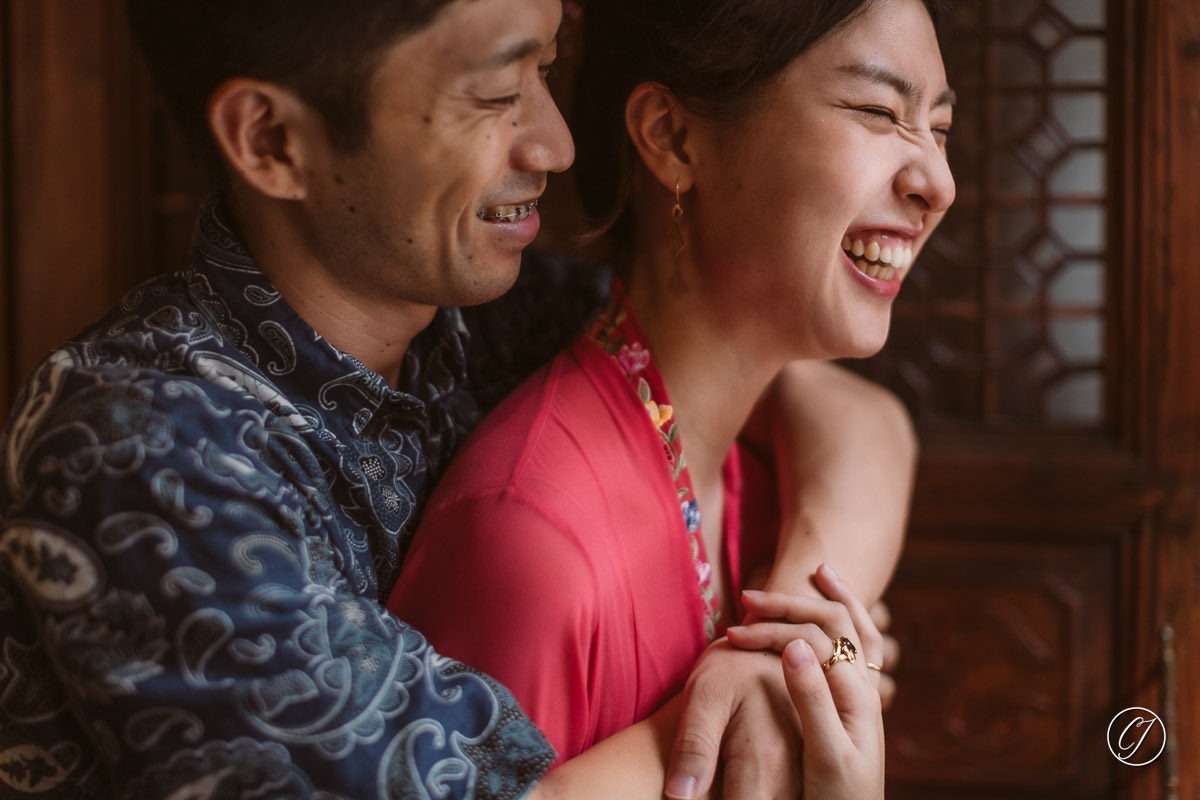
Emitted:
<point x="736" y="709"/>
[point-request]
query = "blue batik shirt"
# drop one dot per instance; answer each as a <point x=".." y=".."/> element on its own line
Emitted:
<point x="201" y="505"/>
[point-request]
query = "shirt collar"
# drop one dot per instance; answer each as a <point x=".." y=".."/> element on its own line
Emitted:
<point x="253" y="317"/>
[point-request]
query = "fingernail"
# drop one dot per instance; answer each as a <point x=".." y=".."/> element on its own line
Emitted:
<point x="799" y="654"/>
<point x="832" y="573"/>
<point x="753" y="594"/>
<point x="680" y="787"/>
<point x="736" y="629"/>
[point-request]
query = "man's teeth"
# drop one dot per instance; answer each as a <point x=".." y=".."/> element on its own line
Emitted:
<point x="506" y="213"/>
<point x="875" y="260"/>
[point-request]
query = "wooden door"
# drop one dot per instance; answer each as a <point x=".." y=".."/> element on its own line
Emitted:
<point x="74" y="169"/>
<point x="1048" y="344"/>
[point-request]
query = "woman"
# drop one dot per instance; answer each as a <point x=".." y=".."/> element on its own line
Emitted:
<point x="778" y="167"/>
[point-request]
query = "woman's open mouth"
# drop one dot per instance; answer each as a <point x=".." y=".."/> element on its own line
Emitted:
<point x="882" y="261"/>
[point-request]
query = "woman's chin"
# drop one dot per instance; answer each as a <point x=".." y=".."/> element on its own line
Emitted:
<point x="864" y="343"/>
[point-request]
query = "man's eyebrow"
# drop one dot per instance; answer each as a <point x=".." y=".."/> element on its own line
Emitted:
<point x="905" y="88"/>
<point x="511" y="54"/>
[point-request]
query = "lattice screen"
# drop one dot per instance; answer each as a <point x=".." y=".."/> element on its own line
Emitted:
<point x="1003" y="317"/>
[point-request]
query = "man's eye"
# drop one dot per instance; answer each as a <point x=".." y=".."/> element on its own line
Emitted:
<point x="508" y="100"/>
<point x="546" y="70"/>
<point x="875" y="111"/>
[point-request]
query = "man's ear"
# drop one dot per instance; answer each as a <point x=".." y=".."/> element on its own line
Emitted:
<point x="658" y="127"/>
<point x="266" y="134"/>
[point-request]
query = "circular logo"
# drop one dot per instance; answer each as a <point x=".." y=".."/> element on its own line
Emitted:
<point x="1136" y="736"/>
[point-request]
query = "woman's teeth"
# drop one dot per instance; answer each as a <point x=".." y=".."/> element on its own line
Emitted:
<point x="506" y="213"/>
<point x="875" y="260"/>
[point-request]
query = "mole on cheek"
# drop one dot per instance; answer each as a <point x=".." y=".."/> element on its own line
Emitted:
<point x="352" y="209"/>
<point x="410" y="241"/>
<point x="339" y="180"/>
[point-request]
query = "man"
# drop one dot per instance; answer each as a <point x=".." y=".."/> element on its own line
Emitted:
<point x="206" y="494"/>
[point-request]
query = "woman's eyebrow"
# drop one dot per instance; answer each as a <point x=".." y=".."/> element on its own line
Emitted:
<point x="877" y="73"/>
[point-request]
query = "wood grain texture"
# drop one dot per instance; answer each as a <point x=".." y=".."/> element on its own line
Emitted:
<point x="7" y="367"/>
<point x="1006" y="672"/>
<point x="78" y="112"/>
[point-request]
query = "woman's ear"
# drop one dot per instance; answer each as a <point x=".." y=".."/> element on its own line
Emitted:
<point x="658" y="127"/>
<point x="266" y="134"/>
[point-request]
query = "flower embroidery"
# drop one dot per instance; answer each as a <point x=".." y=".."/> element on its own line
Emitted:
<point x="618" y="336"/>
<point x="633" y="358"/>
<point x="660" y="415"/>
<point x="691" y="515"/>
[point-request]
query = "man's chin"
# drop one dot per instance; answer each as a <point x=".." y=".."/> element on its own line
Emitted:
<point x="476" y="286"/>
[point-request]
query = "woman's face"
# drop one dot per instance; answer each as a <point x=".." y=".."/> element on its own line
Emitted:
<point x="808" y="213"/>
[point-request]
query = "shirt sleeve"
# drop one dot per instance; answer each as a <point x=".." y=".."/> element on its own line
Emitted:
<point x="179" y="616"/>
<point x="497" y="579"/>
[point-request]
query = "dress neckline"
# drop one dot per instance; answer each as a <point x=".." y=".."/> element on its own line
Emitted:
<point x="617" y="332"/>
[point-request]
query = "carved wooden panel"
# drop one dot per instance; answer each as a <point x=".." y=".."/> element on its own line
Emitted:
<point x="1002" y="321"/>
<point x="1006" y="676"/>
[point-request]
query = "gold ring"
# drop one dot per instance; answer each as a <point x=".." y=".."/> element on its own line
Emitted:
<point x="874" y="666"/>
<point x="843" y="650"/>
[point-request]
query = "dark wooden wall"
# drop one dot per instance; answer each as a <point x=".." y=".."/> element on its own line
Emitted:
<point x="1051" y="543"/>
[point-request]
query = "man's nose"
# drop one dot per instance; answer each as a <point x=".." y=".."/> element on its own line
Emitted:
<point x="545" y="145"/>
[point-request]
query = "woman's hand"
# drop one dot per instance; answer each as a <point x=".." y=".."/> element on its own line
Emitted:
<point x="843" y="726"/>
<point x="839" y="707"/>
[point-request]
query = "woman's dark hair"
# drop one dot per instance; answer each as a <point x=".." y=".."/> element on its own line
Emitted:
<point x="715" y="56"/>
<point x="326" y="52"/>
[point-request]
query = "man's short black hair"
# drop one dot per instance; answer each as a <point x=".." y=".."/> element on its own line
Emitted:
<point x="326" y="51"/>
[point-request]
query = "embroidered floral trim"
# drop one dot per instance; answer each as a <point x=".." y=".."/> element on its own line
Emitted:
<point x="618" y="335"/>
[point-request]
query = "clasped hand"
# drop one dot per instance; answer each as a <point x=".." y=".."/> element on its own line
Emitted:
<point x="748" y="709"/>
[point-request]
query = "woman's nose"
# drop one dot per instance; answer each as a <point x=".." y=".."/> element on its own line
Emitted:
<point x="927" y="179"/>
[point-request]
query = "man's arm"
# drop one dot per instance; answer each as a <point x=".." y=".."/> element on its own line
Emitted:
<point x="185" y="610"/>
<point x="845" y="454"/>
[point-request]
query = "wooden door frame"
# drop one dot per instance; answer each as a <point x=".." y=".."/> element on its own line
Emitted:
<point x="1161" y="403"/>
<point x="7" y="365"/>
<point x="74" y="139"/>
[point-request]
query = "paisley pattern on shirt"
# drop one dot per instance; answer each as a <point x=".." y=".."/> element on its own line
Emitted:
<point x="201" y="504"/>
<point x="617" y="332"/>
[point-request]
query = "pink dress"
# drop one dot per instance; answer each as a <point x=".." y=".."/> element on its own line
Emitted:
<point x="561" y="553"/>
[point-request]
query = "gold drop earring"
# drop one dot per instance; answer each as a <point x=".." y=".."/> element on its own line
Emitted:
<point x="675" y="242"/>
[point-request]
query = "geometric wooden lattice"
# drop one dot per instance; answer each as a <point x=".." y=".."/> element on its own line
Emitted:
<point x="1002" y="321"/>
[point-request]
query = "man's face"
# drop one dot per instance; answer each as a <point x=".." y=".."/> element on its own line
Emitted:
<point x="435" y="208"/>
